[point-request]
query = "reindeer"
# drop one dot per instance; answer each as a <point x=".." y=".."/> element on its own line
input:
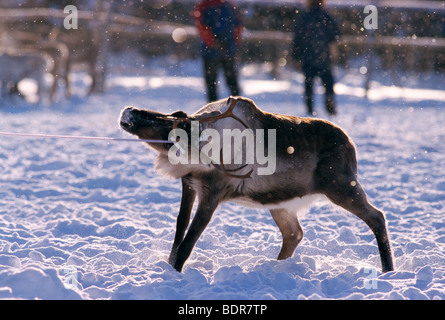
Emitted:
<point x="58" y="51"/>
<point x="83" y="49"/>
<point x="18" y="65"/>
<point x="312" y="157"/>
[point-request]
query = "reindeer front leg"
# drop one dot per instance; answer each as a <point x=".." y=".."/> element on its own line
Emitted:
<point x="202" y="217"/>
<point x="182" y="222"/>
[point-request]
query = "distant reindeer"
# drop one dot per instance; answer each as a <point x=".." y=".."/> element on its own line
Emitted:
<point x="18" y="65"/>
<point x="312" y="157"/>
<point x="83" y="50"/>
<point x="58" y="51"/>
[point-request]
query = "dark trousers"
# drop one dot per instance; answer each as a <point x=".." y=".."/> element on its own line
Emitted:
<point x="325" y="74"/>
<point x="211" y="67"/>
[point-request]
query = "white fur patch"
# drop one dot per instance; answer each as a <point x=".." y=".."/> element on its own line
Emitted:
<point x="297" y="205"/>
<point x="176" y="171"/>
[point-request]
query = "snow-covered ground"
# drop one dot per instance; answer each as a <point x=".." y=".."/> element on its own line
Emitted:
<point x="92" y="220"/>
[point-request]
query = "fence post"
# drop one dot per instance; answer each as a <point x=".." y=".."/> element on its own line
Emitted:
<point x="100" y="34"/>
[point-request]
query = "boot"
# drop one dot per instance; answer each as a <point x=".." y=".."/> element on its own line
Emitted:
<point x="330" y="105"/>
<point x="309" y="104"/>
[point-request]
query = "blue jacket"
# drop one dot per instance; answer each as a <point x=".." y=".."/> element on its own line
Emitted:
<point x="219" y="27"/>
<point x="314" y="31"/>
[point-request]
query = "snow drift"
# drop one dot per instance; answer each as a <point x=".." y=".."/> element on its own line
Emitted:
<point x="91" y="220"/>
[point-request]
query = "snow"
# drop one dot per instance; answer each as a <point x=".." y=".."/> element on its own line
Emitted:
<point x="92" y="220"/>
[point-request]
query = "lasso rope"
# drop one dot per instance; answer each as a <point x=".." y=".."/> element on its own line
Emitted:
<point x="55" y="136"/>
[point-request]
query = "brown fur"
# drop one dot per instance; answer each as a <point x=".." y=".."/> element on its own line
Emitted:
<point x="323" y="162"/>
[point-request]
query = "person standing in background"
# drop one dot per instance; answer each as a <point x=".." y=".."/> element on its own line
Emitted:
<point x="315" y="31"/>
<point x="219" y="28"/>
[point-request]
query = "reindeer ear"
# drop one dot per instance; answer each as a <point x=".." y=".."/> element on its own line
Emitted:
<point x="179" y="114"/>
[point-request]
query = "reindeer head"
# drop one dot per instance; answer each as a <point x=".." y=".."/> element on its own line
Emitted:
<point x="147" y="124"/>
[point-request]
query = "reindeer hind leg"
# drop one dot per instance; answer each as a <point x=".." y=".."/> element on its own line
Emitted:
<point x="290" y="229"/>
<point x="351" y="196"/>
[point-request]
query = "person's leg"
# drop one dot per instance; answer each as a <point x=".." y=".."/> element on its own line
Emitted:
<point x="210" y="76"/>
<point x="328" y="83"/>
<point x="231" y="76"/>
<point x="308" y="89"/>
